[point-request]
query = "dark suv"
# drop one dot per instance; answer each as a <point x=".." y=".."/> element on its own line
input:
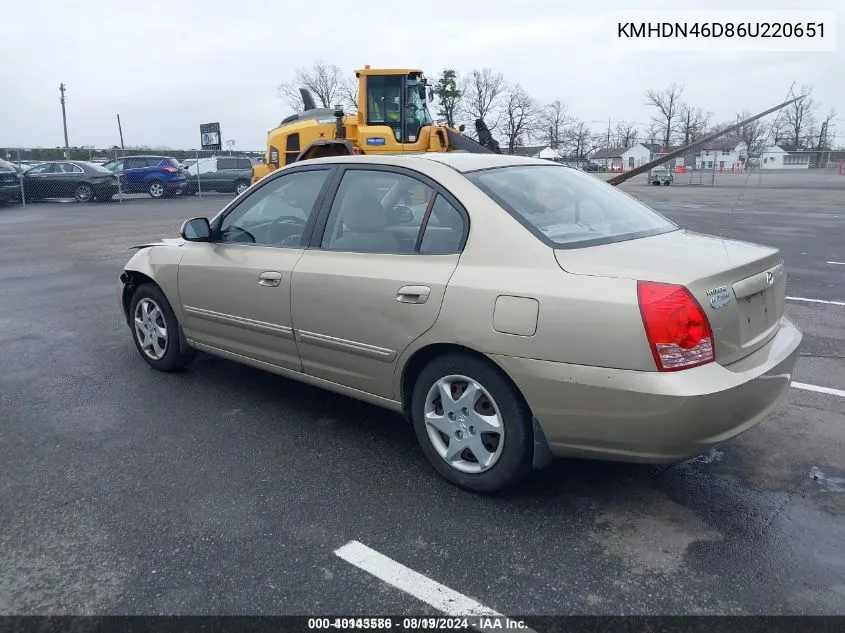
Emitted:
<point x="159" y="176"/>
<point x="219" y="173"/>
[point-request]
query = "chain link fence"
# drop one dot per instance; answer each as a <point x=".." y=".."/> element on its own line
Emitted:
<point x="89" y="175"/>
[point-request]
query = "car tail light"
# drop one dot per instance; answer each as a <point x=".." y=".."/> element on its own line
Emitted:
<point x="677" y="329"/>
<point x="171" y="169"/>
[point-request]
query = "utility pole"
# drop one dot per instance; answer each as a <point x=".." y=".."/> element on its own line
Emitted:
<point x="120" y="129"/>
<point x="64" y="120"/>
<point x="608" y="132"/>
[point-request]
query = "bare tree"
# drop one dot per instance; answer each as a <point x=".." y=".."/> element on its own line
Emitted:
<point x="324" y="81"/>
<point x="692" y="123"/>
<point x="668" y="104"/>
<point x="348" y="92"/>
<point x="552" y="123"/>
<point x="799" y="116"/>
<point x="753" y="134"/>
<point x="520" y="116"/>
<point x="582" y="141"/>
<point x="483" y="91"/>
<point x="625" y="135"/>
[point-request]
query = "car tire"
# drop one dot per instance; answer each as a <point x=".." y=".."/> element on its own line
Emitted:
<point x="241" y="186"/>
<point x="156" y="190"/>
<point x="156" y="330"/>
<point x="508" y="454"/>
<point x="83" y="193"/>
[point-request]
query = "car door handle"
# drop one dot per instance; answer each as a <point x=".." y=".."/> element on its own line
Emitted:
<point x="271" y="279"/>
<point x="413" y="294"/>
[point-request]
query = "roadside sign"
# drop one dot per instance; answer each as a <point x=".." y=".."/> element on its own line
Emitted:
<point x="210" y="136"/>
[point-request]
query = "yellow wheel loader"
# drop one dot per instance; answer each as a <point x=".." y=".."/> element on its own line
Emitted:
<point x="392" y="118"/>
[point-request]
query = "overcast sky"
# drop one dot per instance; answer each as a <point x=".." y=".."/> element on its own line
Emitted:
<point x="168" y="65"/>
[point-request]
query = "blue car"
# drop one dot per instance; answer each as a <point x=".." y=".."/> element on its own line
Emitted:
<point x="159" y="176"/>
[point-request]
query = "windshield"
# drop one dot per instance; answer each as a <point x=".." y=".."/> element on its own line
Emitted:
<point x="569" y="208"/>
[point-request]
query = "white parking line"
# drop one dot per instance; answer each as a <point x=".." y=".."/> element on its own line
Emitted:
<point x="833" y="303"/>
<point x="420" y="587"/>
<point x="837" y="263"/>
<point x="817" y="389"/>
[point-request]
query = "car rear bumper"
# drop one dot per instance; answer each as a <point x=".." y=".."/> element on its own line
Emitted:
<point x="651" y="416"/>
<point x="10" y="193"/>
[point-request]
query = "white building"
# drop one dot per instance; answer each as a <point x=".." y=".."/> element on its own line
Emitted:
<point x="622" y="158"/>
<point x="784" y="157"/>
<point x="722" y="155"/>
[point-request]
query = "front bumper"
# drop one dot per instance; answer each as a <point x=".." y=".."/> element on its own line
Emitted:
<point x="652" y="416"/>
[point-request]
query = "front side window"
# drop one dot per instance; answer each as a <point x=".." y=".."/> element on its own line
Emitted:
<point x="275" y="214"/>
<point x="376" y="212"/>
<point x="384" y="97"/>
<point x="567" y="207"/>
<point x="44" y="168"/>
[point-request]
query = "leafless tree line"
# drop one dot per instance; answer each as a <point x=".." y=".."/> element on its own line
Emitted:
<point x="517" y="119"/>
<point x="797" y="124"/>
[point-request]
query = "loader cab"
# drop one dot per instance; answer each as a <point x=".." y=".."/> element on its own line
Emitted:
<point x="394" y="99"/>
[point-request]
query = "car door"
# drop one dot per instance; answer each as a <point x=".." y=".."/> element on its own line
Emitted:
<point x="370" y="285"/>
<point x="134" y="172"/>
<point x="37" y="181"/>
<point x="235" y="290"/>
<point x="63" y="181"/>
<point x="220" y="178"/>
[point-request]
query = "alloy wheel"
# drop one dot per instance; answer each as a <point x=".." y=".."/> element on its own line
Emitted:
<point x="150" y="328"/>
<point x="156" y="190"/>
<point x="83" y="193"/>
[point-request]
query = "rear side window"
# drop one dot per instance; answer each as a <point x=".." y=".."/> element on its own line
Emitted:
<point x="225" y="163"/>
<point x="444" y="230"/>
<point x="567" y="208"/>
<point x="243" y="163"/>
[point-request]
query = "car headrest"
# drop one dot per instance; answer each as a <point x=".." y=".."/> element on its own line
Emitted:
<point x="364" y="213"/>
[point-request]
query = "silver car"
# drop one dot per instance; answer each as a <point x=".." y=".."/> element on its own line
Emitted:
<point x="511" y="308"/>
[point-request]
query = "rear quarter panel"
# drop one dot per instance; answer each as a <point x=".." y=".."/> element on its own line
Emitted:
<point x="581" y="319"/>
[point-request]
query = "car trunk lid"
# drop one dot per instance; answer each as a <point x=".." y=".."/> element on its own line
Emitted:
<point x="740" y="286"/>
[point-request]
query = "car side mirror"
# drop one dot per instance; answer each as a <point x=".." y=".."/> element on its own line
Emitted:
<point x="196" y="230"/>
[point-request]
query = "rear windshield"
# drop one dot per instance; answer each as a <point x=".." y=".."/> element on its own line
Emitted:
<point x="567" y="208"/>
<point x="97" y="167"/>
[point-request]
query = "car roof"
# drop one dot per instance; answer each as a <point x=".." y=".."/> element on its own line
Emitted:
<point x="459" y="161"/>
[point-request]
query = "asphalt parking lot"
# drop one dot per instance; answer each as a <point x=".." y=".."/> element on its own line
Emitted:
<point x="225" y="490"/>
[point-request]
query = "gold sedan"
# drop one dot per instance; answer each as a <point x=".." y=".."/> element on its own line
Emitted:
<point x="512" y="309"/>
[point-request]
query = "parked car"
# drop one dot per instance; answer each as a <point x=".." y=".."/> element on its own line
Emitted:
<point x="661" y="176"/>
<point x="78" y="179"/>
<point x="159" y="176"/>
<point x="529" y="311"/>
<point x="592" y="167"/>
<point x="224" y="173"/>
<point x="10" y="184"/>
